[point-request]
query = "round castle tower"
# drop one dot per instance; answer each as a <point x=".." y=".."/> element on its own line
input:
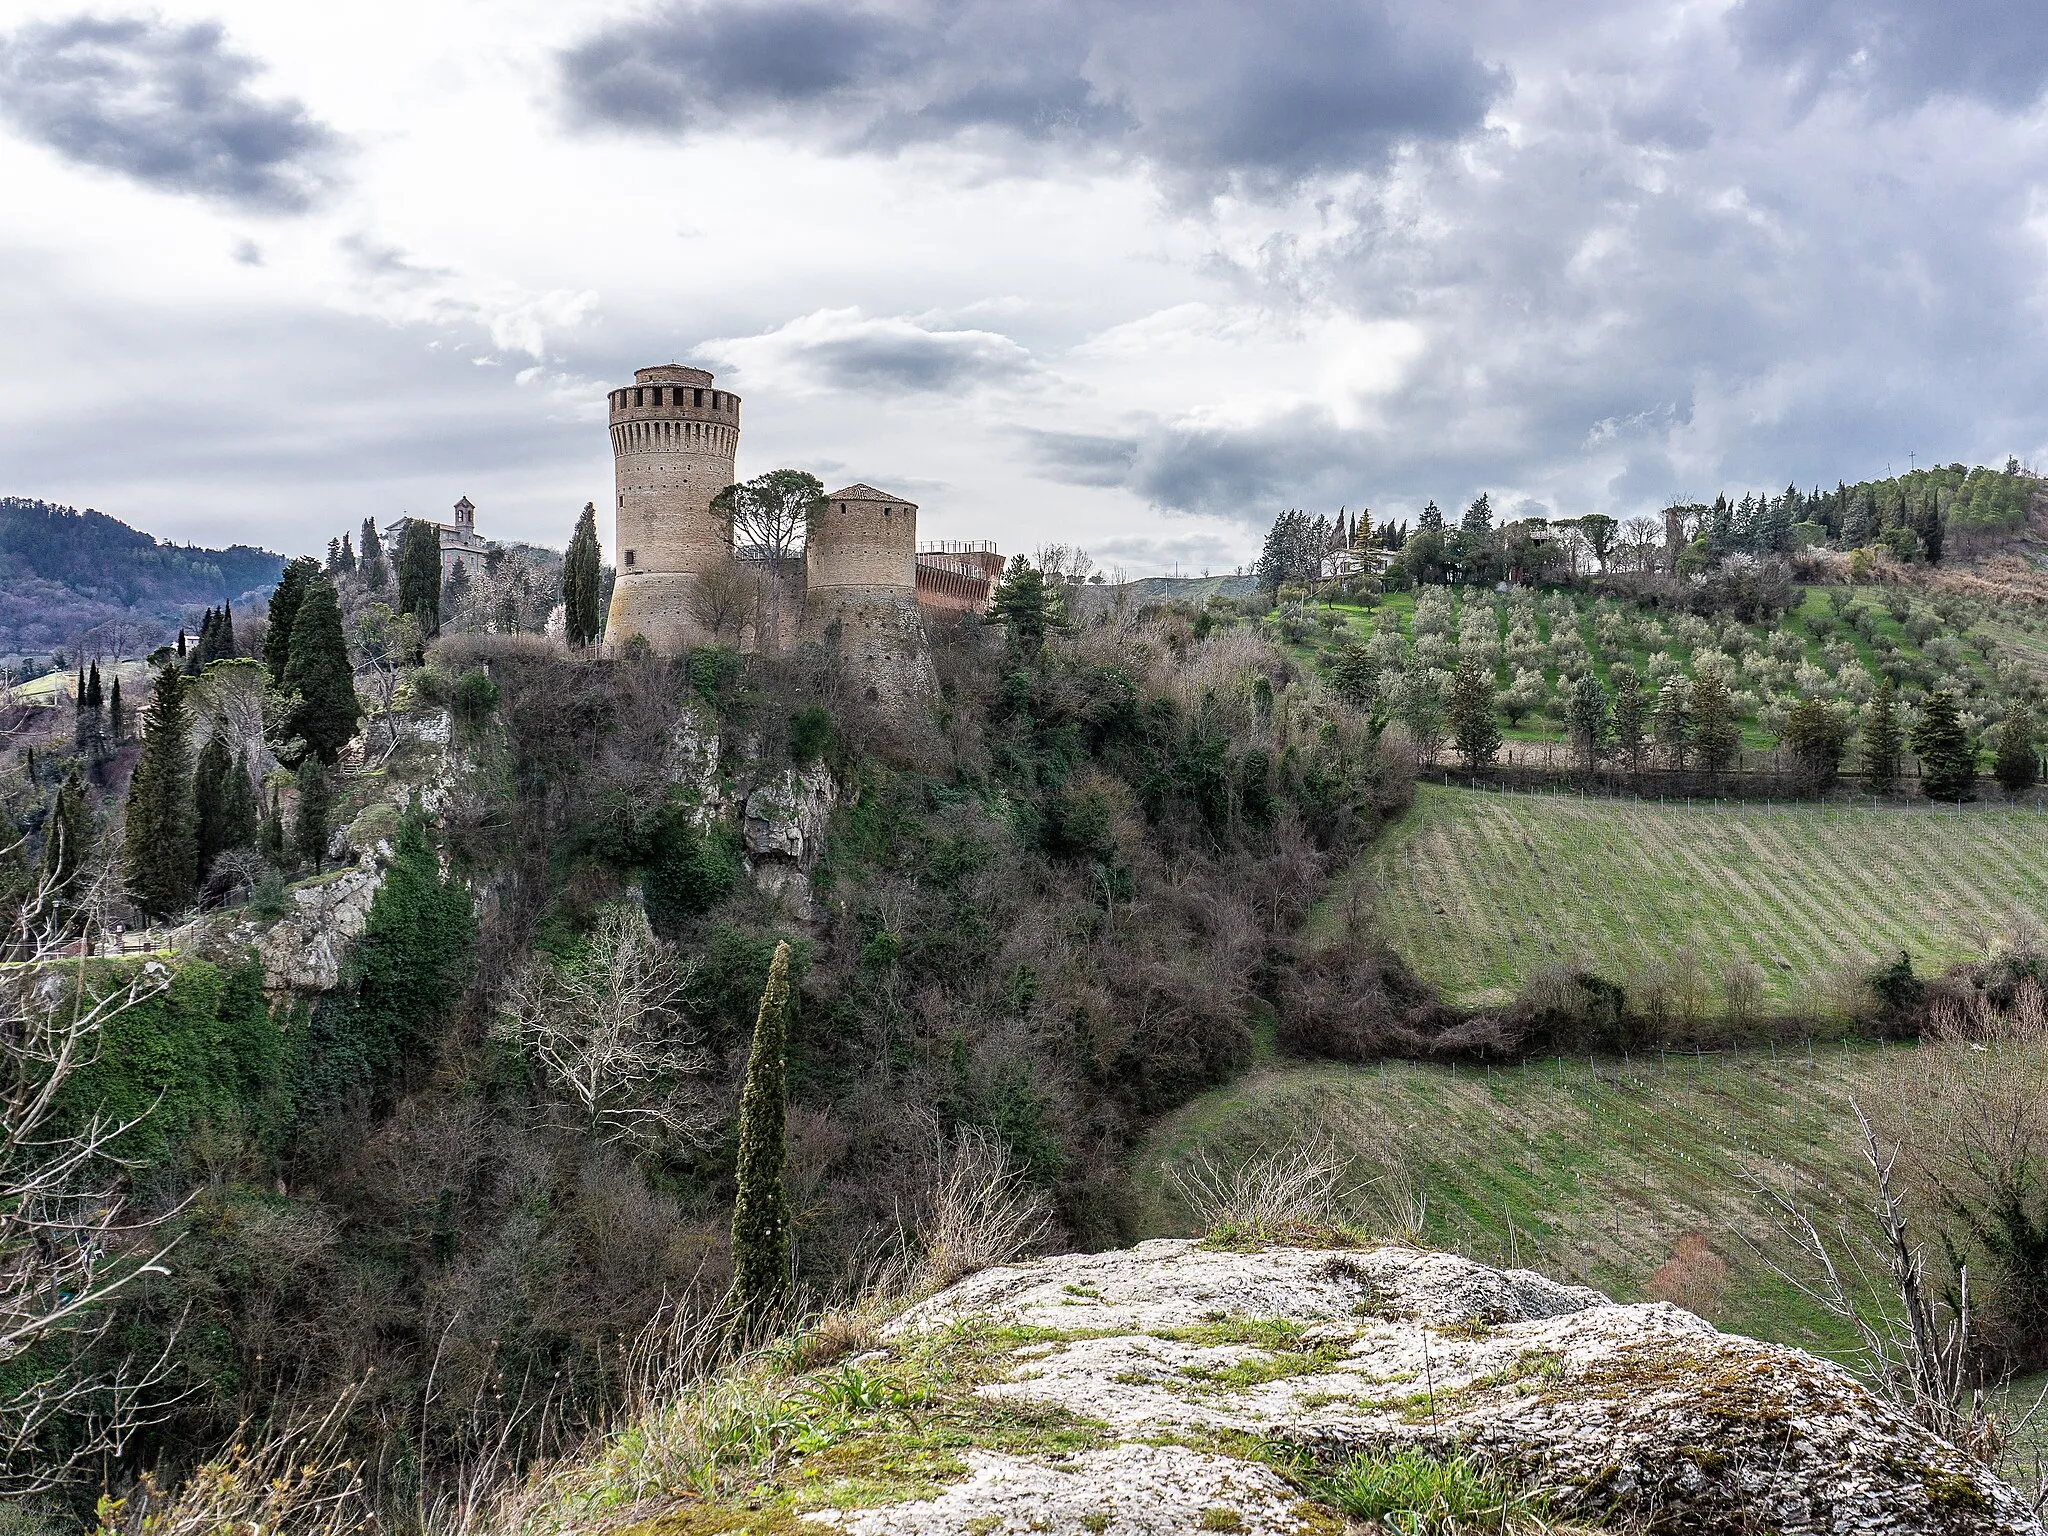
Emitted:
<point x="674" y="438"/>
<point x="860" y="590"/>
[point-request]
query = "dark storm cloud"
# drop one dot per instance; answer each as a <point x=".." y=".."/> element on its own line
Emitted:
<point x="1903" y="52"/>
<point x="1081" y="458"/>
<point x="915" y="360"/>
<point x="167" y="105"/>
<point x="1207" y="88"/>
<point x="842" y="349"/>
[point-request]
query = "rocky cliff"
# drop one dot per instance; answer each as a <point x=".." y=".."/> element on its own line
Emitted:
<point x="1178" y="1388"/>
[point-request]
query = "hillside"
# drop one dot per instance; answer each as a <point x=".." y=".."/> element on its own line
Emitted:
<point x="63" y="572"/>
<point x="1479" y="892"/>
<point x="1632" y="1175"/>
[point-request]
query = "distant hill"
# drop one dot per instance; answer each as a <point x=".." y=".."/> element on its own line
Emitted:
<point x="64" y="572"/>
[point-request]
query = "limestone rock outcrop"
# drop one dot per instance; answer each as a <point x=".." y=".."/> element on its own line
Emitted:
<point x="302" y="951"/>
<point x="1638" y="1412"/>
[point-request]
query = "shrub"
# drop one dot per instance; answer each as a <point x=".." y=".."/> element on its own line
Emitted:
<point x="474" y="698"/>
<point x="811" y="733"/>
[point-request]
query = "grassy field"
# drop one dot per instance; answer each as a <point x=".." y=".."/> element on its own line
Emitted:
<point x="1477" y="890"/>
<point x="1631" y="1176"/>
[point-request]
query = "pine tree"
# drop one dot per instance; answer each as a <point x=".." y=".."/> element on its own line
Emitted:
<point x="1021" y="606"/>
<point x="210" y="789"/>
<point x="581" y="576"/>
<point x="67" y="835"/>
<point x="325" y="710"/>
<point x="1673" y="724"/>
<point x="1714" y="728"/>
<point x="159" y="850"/>
<point x="1882" y="740"/>
<point x="309" y="823"/>
<point x="1817" y="737"/>
<point x="1355" y="675"/>
<point x="1631" y="712"/>
<point x="1586" y="712"/>
<point x="1430" y="519"/>
<point x="1478" y="518"/>
<point x="241" y="817"/>
<point x="284" y="608"/>
<point x="2015" y="763"/>
<point x="334" y="557"/>
<point x="760" y="1216"/>
<point x="419" y="575"/>
<point x="1475" y="730"/>
<point x="1948" y="763"/>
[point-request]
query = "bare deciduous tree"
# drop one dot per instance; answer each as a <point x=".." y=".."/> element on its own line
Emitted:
<point x="603" y="1026"/>
<point x="1916" y="1349"/>
<point x="727" y="596"/>
<point x="384" y="647"/>
<point x="67" y="1245"/>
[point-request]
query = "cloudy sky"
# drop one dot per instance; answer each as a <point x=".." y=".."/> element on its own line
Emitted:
<point x="1130" y="273"/>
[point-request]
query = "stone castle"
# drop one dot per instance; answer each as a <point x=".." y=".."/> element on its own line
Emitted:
<point x="865" y="579"/>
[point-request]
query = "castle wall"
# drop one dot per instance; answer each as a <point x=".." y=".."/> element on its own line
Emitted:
<point x="675" y="436"/>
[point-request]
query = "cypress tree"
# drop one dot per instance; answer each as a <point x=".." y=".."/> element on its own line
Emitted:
<point x="284" y="608"/>
<point x="1948" y="764"/>
<point x="580" y="578"/>
<point x="241" y="817"/>
<point x="419" y="574"/>
<point x="95" y="698"/>
<point x="1474" y="730"/>
<point x="1630" y="713"/>
<point x="117" y="726"/>
<point x="1881" y="740"/>
<point x="181" y="647"/>
<point x="1714" y="728"/>
<point x="210" y="789"/>
<point x="334" y="557"/>
<point x="2015" y="763"/>
<point x="373" y="556"/>
<point x="227" y="630"/>
<point x="324" y="711"/>
<point x="1673" y="725"/>
<point x="309" y="823"/>
<point x="273" y="832"/>
<point x="760" y="1216"/>
<point x="160" y="851"/>
<point x="67" y="835"/>
<point x="348" y="556"/>
<point x="32" y="781"/>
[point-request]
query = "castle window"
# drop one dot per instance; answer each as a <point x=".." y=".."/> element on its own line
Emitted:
<point x="629" y="558"/>
<point x="697" y="398"/>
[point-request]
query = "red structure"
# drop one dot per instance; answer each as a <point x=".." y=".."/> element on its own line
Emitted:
<point x="957" y="577"/>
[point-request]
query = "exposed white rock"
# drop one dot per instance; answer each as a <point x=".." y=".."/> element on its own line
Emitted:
<point x="1637" y="1410"/>
<point x="691" y="763"/>
<point x="785" y="818"/>
<point x="302" y="951"/>
<point x="783" y="824"/>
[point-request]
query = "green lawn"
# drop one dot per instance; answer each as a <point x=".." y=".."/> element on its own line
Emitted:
<point x="1477" y="890"/>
